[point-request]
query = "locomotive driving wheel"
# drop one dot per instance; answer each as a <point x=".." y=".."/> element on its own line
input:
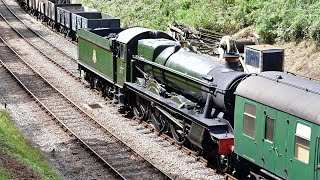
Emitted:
<point x="159" y="121"/>
<point x="224" y="162"/>
<point x="178" y="133"/>
<point x="140" y="109"/>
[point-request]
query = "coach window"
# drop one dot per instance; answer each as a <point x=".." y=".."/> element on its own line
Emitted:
<point x="302" y="143"/>
<point x="269" y="128"/>
<point x="249" y="120"/>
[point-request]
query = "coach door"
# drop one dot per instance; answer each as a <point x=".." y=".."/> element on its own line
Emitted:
<point x="301" y="150"/>
<point x="268" y="148"/>
<point x="280" y="142"/>
<point x="317" y="159"/>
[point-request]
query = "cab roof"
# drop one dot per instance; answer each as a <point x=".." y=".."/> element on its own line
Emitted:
<point x="136" y="33"/>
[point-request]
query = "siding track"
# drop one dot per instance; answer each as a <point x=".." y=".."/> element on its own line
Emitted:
<point x="45" y="96"/>
<point x="61" y="58"/>
<point x="122" y="160"/>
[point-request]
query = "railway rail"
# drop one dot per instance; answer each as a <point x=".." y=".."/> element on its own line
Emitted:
<point x="75" y="75"/>
<point x="122" y="160"/>
<point x="205" y="41"/>
<point x="28" y="33"/>
<point x="62" y="149"/>
<point x="35" y="39"/>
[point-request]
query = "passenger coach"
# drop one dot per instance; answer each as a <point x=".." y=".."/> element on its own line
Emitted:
<point x="277" y="124"/>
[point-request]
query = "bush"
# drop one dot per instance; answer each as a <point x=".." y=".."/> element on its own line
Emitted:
<point x="275" y="20"/>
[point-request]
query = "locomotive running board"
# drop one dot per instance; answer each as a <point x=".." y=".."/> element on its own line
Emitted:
<point x="189" y="114"/>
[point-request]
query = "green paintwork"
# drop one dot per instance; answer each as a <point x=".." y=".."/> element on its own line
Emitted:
<point x="153" y="87"/>
<point x="151" y="48"/>
<point x="278" y="155"/>
<point x="182" y="100"/>
<point x="282" y="135"/>
<point x="173" y="80"/>
<point x="121" y="71"/>
<point x="268" y="148"/>
<point x="317" y="164"/>
<point x="241" y="140"/>
<point x="297" y="169"/>
<point x="100" y="58"/>
<point x="94" y="38"/>
<point x="164" y="55"/>
<point x="96" y="57"/>
<point x="148" y="48"/>
<point x="190" y="63"/>
<point x="184" y="84"/>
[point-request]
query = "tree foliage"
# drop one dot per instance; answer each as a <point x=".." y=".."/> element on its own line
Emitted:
<point x="274" y="20"/>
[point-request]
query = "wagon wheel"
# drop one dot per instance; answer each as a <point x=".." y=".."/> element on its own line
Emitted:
<point x="224" y="162"/>
<point x="159" y="121"/>
<point x="140" y="109"/>
<point x="104" y="90"/>
<point x="93" y="83"/>
<point x="178" y="133"/>
<point x="87" y="77"/>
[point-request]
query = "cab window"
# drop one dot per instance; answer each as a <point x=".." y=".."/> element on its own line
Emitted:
<point x="302" y="143"/>
<point x="122" y="51"/>
<point x="249" y="120"/>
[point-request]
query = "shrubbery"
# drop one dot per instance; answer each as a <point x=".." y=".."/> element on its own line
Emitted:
<point x="275" y="20"/>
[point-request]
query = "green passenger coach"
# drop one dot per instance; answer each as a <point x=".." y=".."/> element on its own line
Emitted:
<point x="277" y="124"/>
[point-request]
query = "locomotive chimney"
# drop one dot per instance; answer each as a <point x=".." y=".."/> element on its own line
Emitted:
<point x="232" y="60"/>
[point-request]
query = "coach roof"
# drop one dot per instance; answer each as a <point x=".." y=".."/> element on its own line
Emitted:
<point x="295" y="95"/>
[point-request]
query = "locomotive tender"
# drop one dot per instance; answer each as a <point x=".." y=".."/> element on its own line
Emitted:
<point x="270" y="119"/>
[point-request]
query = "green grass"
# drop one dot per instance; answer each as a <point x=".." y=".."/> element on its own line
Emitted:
<point x="274" y="20"/>
<point x="4" y="173"/>
<point x="19" y="148"/>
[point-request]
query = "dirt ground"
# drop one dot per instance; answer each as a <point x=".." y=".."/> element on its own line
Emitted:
<point x="16" y="169"/>
<point x="301" y="58"/>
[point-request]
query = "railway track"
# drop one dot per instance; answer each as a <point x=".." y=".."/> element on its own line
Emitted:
<point x="29" y="33"/>
<point x="205" y="41"/>
<point x="61" y="58"/>
<point x="60" y="148"/>
<point x="64" y="66"/>
<point x="122" y="160"/>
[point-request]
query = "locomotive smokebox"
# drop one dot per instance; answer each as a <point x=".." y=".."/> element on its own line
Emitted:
<point x="232" y="60"/>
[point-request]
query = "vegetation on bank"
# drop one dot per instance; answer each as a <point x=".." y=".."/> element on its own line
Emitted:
<point x="274" y="20"/>
<point x="17" y="156"/>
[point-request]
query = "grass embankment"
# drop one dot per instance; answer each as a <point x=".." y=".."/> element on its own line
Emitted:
<point x="274" y="20"/>
<point x="18" y="159"/>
